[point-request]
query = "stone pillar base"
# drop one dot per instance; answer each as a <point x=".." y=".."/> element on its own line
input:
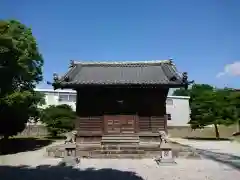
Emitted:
<point x="165" y="161"/>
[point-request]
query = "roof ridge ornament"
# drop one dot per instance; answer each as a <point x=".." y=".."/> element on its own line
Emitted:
<point x="72" y="63"/>
<point x="56" y="82"/>
<point x="55" y="77"/>
<point x="185" y="80"/>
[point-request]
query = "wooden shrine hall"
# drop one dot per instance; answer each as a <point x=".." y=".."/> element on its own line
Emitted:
<point x="117" y="98"/>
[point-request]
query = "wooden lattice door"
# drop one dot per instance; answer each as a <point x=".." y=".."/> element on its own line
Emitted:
<point x="116" y="124"/>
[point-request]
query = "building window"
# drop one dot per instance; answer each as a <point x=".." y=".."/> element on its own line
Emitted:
<point x="169" y="101"/>
<point x="169" y="117"/>
<point x="72" y="98"/>
<point x="67" y="97"/>
<point x="63" y="97"/>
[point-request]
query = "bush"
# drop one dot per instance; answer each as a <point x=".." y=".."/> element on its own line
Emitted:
<point x="58" y="119"/>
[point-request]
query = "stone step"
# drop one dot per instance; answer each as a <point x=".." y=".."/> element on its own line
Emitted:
<point x="122" y="146"/>
<point x="120" y="156"/>
<point x="133" y="151"/>
<point x="121" y="135"/>
<point x="120" y="138"/>
<point x="117" y="154"/>
<point x="120" y="141"/>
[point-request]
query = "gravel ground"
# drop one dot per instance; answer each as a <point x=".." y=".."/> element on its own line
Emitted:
<point x="96" y="169"/>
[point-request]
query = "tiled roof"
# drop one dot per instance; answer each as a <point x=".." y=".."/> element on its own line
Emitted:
<point x="142" y="72"/>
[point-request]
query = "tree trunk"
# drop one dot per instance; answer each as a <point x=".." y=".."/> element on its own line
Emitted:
<point x="54" y="133"/>
<point x="5" y="137"/>
<point x="238" y="126"/>
<point x="216" y="131"/>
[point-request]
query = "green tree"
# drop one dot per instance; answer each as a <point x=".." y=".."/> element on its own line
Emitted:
<point x="37" y="99"/>
<point x="210" y="106"/>
<point x="234" y="102"/>
<point x="181" y="92"/>
<point x="16" y="109"/>
<point x="20" y="71"/>
<point x="20" y="58"/>
<point x="194" y="90"/>
<point x="58" y="119"/>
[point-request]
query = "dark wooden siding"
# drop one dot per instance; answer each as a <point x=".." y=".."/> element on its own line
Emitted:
<point x="94" y="126"/>
<point x="89" y="125"/>
<point x="152" y="124"/>
<point x="148" y="103"/>
<point x="157" y="123"/>
<point x="144" y="124"/>
<point x="98" y="101"/>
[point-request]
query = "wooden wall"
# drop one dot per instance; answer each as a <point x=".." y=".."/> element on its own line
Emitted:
<point x="146" y="102"/>
<point x="152" y="124"/>
<point x="94" y="126"/>
<point x="89" y="126"/>
<point x="96" y="101"/>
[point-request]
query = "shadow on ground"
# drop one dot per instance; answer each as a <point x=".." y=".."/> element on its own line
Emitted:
<point x="225" y="158"/>
<point x="16" y="145"/>
<point x="228" y="159"/>
<point x="63" y="173"/>
<point x="55" y="137"/>
<point x="207" y="138"/>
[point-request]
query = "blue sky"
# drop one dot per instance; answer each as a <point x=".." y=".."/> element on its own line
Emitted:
<point x="202" y="36"/>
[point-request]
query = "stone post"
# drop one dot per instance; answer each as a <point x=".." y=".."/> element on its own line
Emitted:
<point x="166" y="155"/>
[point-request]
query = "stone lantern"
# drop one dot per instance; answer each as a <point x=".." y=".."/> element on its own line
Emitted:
<point x="166" y="155"/>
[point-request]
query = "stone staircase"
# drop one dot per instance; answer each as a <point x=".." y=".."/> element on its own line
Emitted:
<point x="119" y="146"/>
<point x="115" y="146"/>
<point x="121" y="139"/>
<point x="112" y="150"/>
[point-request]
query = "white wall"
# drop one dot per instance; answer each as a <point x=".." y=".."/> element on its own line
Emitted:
<point x="179" y="110"/>
<point x="52" y="97"/>
<point x="177" y="106"/>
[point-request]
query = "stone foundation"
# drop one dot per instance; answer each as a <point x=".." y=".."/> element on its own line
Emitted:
<point x="121" y="151"/>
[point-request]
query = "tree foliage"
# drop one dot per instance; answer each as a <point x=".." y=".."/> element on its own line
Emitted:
<point x="58" y="119"/>
<point x="20" y="71"/>
<point x="16" y="109"/>
<point x="181" y="92"/>
<point x="212" y="106"/>
<point x="20" y="57"/>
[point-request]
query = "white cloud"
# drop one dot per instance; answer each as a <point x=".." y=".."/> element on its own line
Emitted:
<point x="231" y="69"/>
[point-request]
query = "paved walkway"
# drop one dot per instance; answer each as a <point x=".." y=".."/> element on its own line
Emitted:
<point x="228" y="147"/>
<point x="222" y="151"/>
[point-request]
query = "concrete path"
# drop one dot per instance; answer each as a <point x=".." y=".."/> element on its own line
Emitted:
<point x="222" y="151"/>
<point x="228" y="147"/>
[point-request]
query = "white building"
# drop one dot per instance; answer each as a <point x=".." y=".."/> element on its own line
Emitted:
<point x="177" y="107"/>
